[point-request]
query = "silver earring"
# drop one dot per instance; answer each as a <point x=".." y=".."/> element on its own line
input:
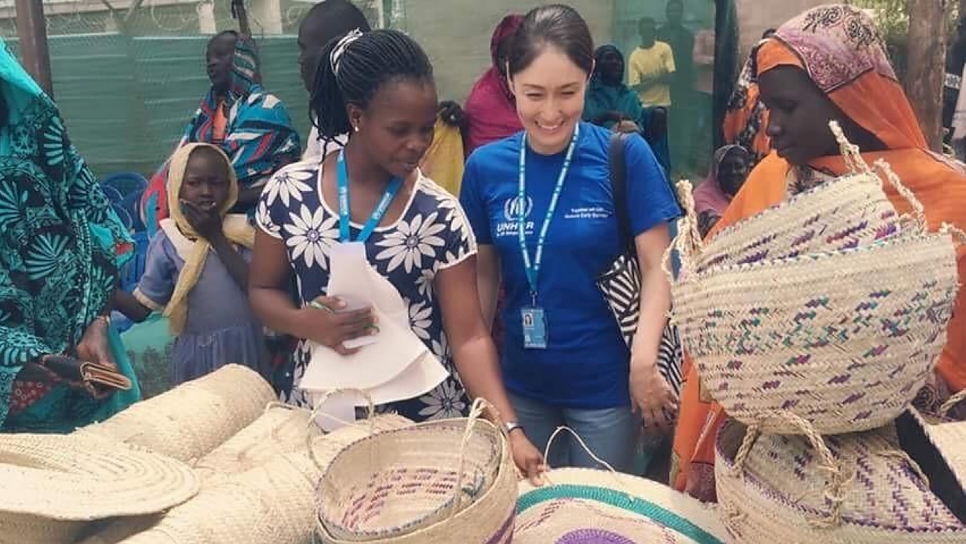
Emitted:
<point x="355" y="128"/>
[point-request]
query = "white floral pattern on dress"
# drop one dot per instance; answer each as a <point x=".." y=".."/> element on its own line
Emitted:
<point x="445" y="401"/>
<point x="311" y="234"/>
<point x="431" y="235"/>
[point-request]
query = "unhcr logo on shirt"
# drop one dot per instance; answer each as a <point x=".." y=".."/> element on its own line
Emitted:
<point x="515" y="209"/>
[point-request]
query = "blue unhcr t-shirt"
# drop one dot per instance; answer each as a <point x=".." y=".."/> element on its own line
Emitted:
<point x="586" y="363"/>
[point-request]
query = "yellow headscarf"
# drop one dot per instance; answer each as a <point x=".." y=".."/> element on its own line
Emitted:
<point x="191" y="247"/>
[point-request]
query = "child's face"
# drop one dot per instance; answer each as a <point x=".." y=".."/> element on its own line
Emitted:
<point x="205" y="181"/>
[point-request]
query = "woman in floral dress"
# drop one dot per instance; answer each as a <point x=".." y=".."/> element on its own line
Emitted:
<point x="378" y="87"/>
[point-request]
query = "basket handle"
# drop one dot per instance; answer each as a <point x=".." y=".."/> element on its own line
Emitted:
<point x="837" y="479"/>
<point x="890" y="175"/>
<point x="688" y="241"/>
<point x="610" y="469"/>
<point x="952" y="402"/>
<point x="850" y="152"/>
<point x="477" y="409"/>
<point x="317" y="411"/>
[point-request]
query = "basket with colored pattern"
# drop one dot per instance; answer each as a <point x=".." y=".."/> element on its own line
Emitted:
<point x="854" y="489"/>
<point x="845" y="212"/>
<point x="422" y="484"/>
<point x="582" y="505"/>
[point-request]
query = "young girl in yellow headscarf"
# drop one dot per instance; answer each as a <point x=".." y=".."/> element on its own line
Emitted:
<point x="197" y="269"/>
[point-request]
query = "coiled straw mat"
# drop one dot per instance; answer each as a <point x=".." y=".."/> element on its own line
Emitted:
<point x="53" y="484"/>
<point x="194" y="418"/>
<point x="842" y="338"/>
<point x="604" y="506"/>
<point x="424" y="484"/>
<point x="850" y="211"/>
<point x="271" y="503"/>
<point x="860" y="489"/>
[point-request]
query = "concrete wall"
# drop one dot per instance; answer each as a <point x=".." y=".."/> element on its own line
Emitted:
<point x="456" y="34"/>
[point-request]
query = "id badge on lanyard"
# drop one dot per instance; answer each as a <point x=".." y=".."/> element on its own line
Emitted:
<point x="533" y="318"/>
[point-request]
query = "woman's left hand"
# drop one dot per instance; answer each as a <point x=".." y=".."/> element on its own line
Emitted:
<point x="652" y="396"/>
<point x="207" y="223"/>
<point x="94" y="345"/>
<point x="527" y="457"/>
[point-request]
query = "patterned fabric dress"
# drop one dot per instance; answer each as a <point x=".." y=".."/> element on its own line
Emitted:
<point x="60" y="249"/>
<point x="431" y="235"/>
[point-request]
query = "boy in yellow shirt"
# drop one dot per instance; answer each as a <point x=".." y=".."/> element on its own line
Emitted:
<point x="651" y="67"/>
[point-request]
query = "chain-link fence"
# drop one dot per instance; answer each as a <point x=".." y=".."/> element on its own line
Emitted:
<point x="128" y="74"/>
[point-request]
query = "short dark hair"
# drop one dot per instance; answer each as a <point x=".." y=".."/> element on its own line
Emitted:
<point x="366" y="64"/>
<point x="557" y="25"/>
<point x="333" y="19"/>
<point x="646" y="21"/>
<point x="223" y="34"/>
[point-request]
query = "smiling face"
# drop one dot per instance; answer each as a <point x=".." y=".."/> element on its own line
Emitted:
<point x="219" y="60"/>
<point x="733" y="171"/>
<point x="397" y="125"/>
<point x="550" y="99"/>
<point x="205" y="181"/>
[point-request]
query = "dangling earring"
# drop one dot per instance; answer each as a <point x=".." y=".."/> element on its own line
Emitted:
<point x="355" y="128"/>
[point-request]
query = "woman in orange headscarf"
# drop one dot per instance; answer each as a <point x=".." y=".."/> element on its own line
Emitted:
<point x="829" y="64"/>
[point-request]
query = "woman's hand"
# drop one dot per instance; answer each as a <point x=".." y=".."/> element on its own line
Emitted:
<point x="328" y="324"/>
<point x="94" y="345"/>
<point x="527" y="457"/>
<point x="627" y="127"/>
<point x="206" y="222"/>
<point x="452" y="114"/>
<point x="652" y="396"/>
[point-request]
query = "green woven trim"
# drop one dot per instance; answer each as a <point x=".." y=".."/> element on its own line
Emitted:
<point x="620" y="500"/>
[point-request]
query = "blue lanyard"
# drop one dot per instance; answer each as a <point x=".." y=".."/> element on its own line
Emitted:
<point x="342" y="178"/>
<point x="533" y="269"/>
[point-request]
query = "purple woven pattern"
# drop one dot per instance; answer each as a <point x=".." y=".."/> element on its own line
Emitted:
<point x="579" y="521"/>
<point x="844" y="339"/>
<point x="840" y="214"/>
<point x="884" y="491"/>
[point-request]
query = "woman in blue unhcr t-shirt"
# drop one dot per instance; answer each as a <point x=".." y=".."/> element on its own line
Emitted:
<point x="565" y="362"/>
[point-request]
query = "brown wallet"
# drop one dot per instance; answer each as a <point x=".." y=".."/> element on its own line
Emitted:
<point x="91" y="375"/>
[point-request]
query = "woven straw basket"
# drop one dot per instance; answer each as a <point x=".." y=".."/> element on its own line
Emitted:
<point x="778" y="491"/>
<point x="850" y="211"/>
<point x="54" y="484"/>
<point x="938" y="445"/>
<point x="192" y="419"/>
<point x="581" y="505"/>
<point x="274" y="502"/>
<point x="424" y="484"/>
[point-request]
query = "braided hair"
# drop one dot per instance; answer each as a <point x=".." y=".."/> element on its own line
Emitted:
<point x="352" y="69"/>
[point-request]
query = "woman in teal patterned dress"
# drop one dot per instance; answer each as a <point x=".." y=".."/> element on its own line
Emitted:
<point x="60" y="248"/>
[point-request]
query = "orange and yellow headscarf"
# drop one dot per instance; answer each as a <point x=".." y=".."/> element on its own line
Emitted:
<point x="191" y="247"/>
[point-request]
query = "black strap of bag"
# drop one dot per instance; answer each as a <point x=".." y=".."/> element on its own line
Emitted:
<point x="618" y="182"/>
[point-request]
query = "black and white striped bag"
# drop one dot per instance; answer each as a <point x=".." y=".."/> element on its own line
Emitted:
<point x="621" y="283"/>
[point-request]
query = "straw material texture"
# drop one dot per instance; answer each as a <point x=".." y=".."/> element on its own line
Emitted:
<point x="54" y="484"/>
<point x="194" y="418"/>
<point x="280" y="430"/>
<point x="273" y="503"/>
<point x="842" y="339"/>
<point x="780" y="493"/>
<point x="581" y="505"/>
<point x="423" y="484"/>
<point x="851" y="211"/>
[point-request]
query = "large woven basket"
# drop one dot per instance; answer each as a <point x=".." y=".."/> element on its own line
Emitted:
<point x="850" y="211"/>
<point x="192" y="419"/>
<point x="778" y="491"/>
<point x="271" y="502"/>
<point x="53" y="485"/>
<point x="581" y="505"/>
<point x="423" y="484"/>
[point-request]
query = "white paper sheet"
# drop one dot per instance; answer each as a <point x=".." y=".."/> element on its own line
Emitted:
<point x="396" y="365"/>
